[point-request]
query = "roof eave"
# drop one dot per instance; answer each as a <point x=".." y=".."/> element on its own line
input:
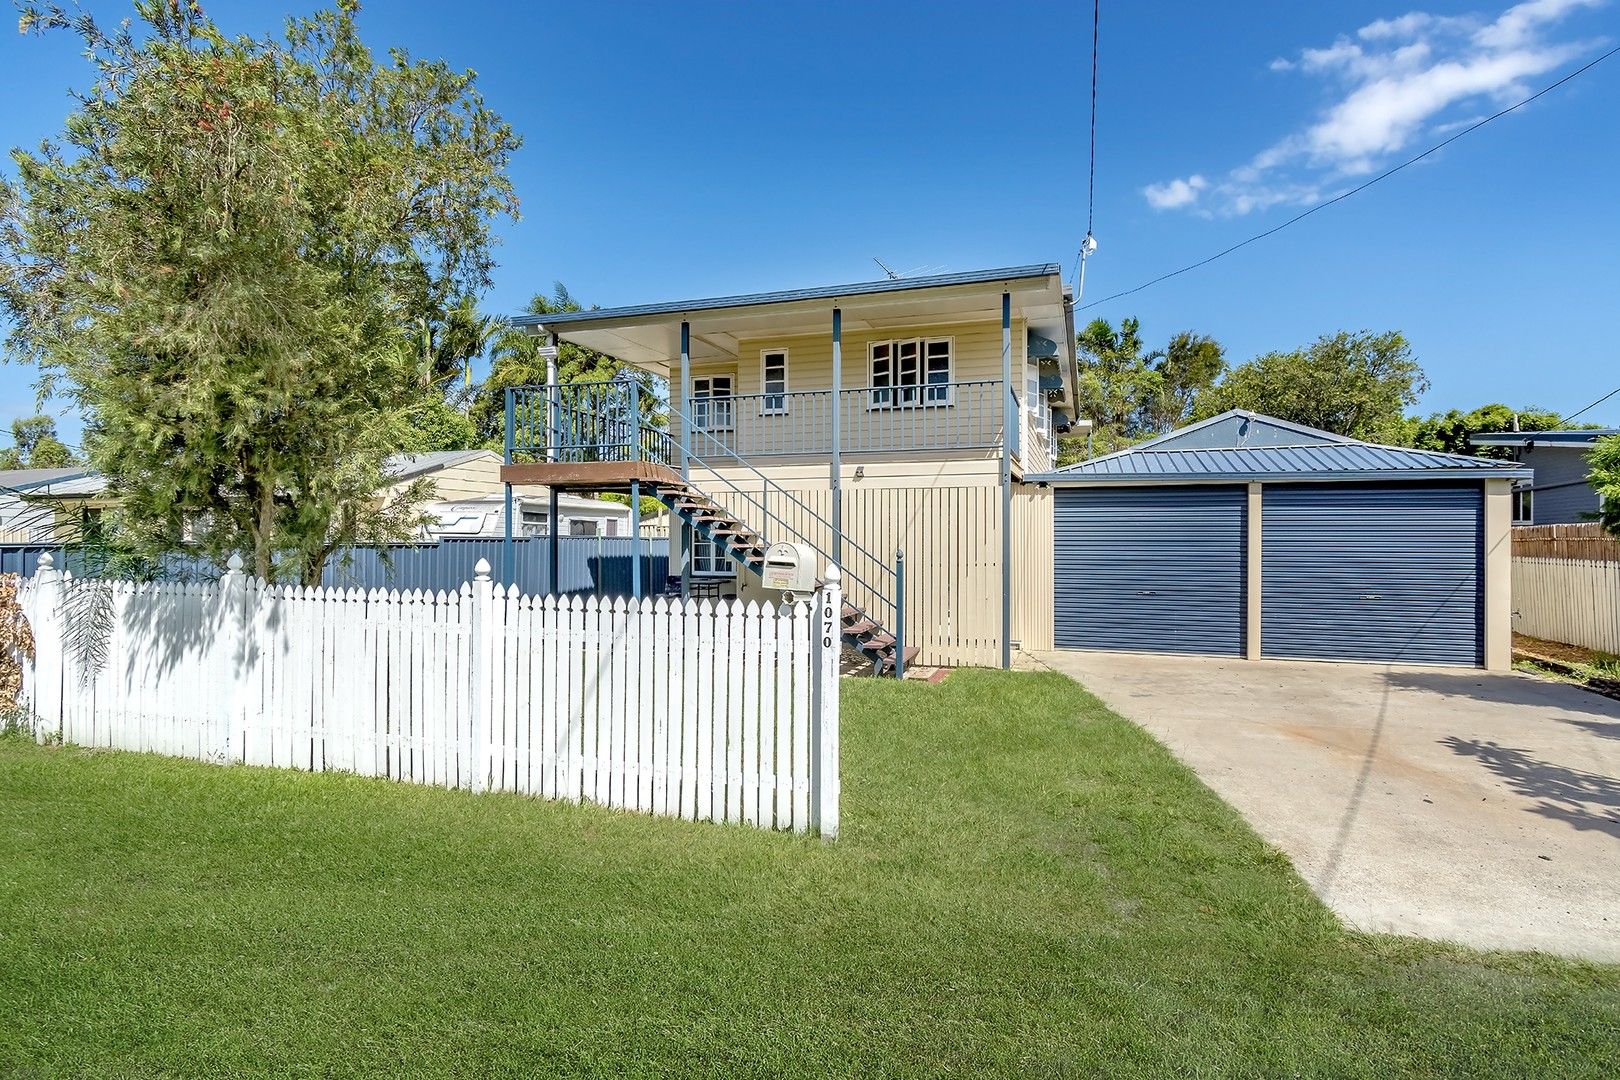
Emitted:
<point x="543" y="323"/>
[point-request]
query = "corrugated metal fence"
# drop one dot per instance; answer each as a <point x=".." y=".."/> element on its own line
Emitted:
<point x="593" y="565"/>
<point x="1566" y="585"/>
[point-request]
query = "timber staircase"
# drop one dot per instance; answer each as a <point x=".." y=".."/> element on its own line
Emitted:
<point x="746" y="546"/>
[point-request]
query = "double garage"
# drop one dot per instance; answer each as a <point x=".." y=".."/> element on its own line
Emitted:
<point x="1249" y="537"/>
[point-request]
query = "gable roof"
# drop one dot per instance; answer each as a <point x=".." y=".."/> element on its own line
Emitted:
<point x="1577" y="437"/>
<point x="1241" y="446"/>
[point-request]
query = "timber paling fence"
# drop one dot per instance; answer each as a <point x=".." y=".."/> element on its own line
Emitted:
<point x="1566" y="585"/>
<point x="704" y="710"/>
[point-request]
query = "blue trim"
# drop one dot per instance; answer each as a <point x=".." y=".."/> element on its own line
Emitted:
<point x="837" y="456"/>
<point x="1011" y="423"/>
<point x="635" y="536"/>
<point x="823" y="292"/>
<point x="899" y="613"/>
<point x="508" y="555"/>
<point x="552" y="539"/>
<point x="1348" y="476"/>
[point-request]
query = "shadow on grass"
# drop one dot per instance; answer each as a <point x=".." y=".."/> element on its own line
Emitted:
<point x="1580" y="799"/>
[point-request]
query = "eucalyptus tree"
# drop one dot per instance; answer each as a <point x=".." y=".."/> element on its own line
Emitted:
<point x="222" y="259"/>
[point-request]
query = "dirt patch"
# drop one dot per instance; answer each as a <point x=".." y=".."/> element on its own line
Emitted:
<point x="1587" y="668"/>
<point x="1557" y="650"/>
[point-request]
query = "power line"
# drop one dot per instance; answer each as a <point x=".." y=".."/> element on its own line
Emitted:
<point x="1088" y="244"/>
<point x="1091" y="184"/>
<point x="1360" y="187"/>
<point x="1589" y="408"/>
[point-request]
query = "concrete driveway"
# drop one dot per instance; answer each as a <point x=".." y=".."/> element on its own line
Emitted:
<point x="1452" y="804"/>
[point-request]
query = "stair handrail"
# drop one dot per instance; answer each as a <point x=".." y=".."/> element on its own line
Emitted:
<point x="886" y="598"/>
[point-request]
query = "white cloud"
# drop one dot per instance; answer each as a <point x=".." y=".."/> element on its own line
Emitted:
<point x="1176" y="193"/>
<point x="1391" y="81"/>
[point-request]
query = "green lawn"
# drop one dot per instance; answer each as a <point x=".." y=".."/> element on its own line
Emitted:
<point x="1026" y="885"/>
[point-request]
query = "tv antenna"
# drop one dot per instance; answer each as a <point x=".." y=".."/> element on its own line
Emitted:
<point x="894" y="275"/>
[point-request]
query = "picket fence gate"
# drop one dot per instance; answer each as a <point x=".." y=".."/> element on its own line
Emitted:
<point x="699" y="709"/>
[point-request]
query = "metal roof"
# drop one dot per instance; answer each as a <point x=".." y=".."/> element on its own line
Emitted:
<point x="26" y="479"/>
<point x="402" y="466"/>
<point x="1264" y="448"/>
<point x="1570" y="437"/>
<point x="821" y="292"/>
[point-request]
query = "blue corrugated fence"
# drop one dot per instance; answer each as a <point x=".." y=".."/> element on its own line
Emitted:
<point x="588" y="564"/>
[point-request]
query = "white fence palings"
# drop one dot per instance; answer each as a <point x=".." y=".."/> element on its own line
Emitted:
<point x="1575" y="601"/>
<point x="680" y="708"/>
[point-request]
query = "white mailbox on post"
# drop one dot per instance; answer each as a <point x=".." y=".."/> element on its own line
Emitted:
<point x="790" y="568"/>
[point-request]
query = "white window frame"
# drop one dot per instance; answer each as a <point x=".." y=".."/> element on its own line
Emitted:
<point x="766" y="393"/>
<point x="922" y="393"/>
<point x="1524" y="495"/>
<point x="535" y="522"/>
<point x="709" y="559"/>
<point x="705" y="422"/>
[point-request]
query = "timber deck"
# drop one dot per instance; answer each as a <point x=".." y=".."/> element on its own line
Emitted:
<point x="588" y="475"/>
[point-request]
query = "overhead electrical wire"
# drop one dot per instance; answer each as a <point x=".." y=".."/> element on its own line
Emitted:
<point x="1588" y="408"/>
<point x="1359" y="187"/>
<point x="1089" y="244"/>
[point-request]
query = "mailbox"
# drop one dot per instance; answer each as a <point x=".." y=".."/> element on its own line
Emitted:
<point x="790" y="568"/>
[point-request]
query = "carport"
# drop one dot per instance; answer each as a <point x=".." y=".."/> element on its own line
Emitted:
<point x="1248" y="536"/>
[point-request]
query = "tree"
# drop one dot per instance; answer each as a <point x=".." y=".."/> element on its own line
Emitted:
<point x="35" y="446"/>
<point x="515" y="361"/>
<point x="1355" y="384"/>
<point x="1186" y="368"/>
<point x="1114" y="380"/>
<point x="222" y="259"/>
<point x="1449" y="432"/>
<point x="447" y="342"/>
<point x="439" y="425"/>
<point x="1604" y="476"/>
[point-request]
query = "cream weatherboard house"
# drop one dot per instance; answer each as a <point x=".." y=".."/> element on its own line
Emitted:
<point x="887" y="425"/>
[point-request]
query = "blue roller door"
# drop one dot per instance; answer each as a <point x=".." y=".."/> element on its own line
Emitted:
<point x="1377" y="572"/>
<point x="1150" y="569"/>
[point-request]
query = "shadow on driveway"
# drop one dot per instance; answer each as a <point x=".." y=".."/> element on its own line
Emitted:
<point x="1580" y="799"/>
<point x="1504" y="690"/>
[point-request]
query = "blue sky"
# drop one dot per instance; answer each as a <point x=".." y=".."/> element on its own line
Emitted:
<point x="715" y="148"/>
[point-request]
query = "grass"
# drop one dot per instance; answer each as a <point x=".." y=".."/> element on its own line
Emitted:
<point x="1027" y="885"/>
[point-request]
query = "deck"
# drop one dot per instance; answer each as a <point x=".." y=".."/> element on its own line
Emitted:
<point x="589" y="475"/>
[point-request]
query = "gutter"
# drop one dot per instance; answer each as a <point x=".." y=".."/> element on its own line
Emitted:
<point x="1059" y="478"/>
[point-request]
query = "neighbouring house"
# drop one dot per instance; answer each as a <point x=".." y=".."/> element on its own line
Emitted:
<point x="860" y="420"/>
<point x="468" y="500"/>
<point x="1558" y="493"/>
<point x="45" y="505"/>
<point x="1248" y="536"/>
<point x="577" y="516"/>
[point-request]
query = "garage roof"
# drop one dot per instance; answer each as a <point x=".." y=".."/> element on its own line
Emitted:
<point x="1242" y="446"/>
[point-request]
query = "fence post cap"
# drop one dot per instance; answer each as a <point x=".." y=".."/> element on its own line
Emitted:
<point x="45" y="561"/>
<point x="833" y="576"/>
<point x="481" y="570"/>
<point x="234" y="564"/>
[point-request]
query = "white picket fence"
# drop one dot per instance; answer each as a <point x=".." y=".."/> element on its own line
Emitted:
<point x="1576" y="601"/>
<point x="694" y="709"/>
